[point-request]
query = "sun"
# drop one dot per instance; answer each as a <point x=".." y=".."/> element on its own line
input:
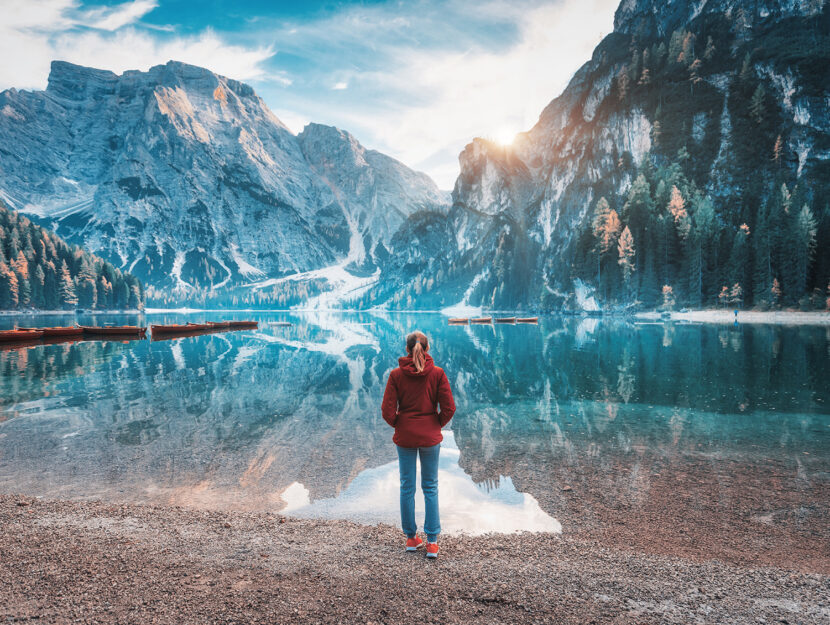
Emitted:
<point x="504" y="135"/>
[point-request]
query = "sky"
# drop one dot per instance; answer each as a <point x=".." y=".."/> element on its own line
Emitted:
<point x="417" y="80"/>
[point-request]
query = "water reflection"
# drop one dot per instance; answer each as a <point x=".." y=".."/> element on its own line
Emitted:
<point x="609" y="409"/>
<point x="466" y="507"/>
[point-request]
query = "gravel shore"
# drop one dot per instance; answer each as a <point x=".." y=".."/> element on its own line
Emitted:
<point x="87" y="562"/>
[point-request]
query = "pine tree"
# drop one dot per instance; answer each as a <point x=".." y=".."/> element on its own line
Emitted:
<point x="723" y="296"/>
<point x="623" y="83"/>
<point x="85" y="286"/>
<point x="694" y="73"/>
<point x="677" y="208"/>
<point x="775" y="293"/>
<point x="777" y="151"/>
<point x="626" y="252"/>
<point x="736" y="295"/>
<point x="638" y="210"/>
<point x="739" y="257"/>
<point x="38" y="279"/>
<point x="757" y="106"/>
<point x="668" y="298"/>
<point x="66" y="287"/>
<point x="747" y="71"/>
<point x="805" y="240"/>
<point x="709" y="53"/>
<point x="687" y="54"/>
<point x="8" y="288"/>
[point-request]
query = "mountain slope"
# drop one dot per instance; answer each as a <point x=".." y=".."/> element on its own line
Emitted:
<point x="725" y="101"/>
<point x="188" y="180"/>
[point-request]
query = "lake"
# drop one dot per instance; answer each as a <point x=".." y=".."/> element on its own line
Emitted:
<point x="617" y="430"/>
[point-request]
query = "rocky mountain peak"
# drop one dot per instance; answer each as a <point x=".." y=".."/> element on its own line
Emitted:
<point x="76" y="82"/>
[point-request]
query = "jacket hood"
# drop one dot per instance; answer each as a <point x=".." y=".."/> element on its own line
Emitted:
<point x="408" y="367"/>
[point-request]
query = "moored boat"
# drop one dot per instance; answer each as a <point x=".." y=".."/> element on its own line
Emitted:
<point x="482" y="320"/>
<point x="179" y="328"/>
<point x="114" y="330"/>
<point x="171" y="336"/>
<point x="58" y="331"/>
<point x="459" y="320"/>
<point x="506" y="320"/>
<point x="20" y="335"/>
<point x="219" y="324"/>
<point x="527" y="320"/>
<point x="244" y="324"/>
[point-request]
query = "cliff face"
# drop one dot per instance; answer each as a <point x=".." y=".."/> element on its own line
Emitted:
<point x="188" y="180"/>
<point x="672" y="86"/>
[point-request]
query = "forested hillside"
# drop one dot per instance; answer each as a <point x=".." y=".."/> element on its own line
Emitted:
<point x="38" y="270"/>
<point x="747" y="229"/>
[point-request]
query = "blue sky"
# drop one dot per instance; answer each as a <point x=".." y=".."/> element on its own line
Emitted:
<point x="417" y="80"/>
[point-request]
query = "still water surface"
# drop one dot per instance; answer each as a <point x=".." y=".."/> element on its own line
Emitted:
<point x="287" y="418"/>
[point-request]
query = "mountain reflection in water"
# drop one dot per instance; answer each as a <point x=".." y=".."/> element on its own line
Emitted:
<point x="466" y="507"/>
<point x="577" y="415"/>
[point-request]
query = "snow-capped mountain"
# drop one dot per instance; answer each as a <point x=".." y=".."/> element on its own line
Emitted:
<point x="186" y="178"/>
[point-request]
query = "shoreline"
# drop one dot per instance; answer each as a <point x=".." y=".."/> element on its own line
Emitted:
<point x="113" y="563"/>
<point x="713" y="316"/>
<point x="719" y="316"/>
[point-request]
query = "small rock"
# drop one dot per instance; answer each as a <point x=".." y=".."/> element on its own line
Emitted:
<point x="22" y="503"/>
<point x="566" y="488"/>
<point x="226" y="525"/>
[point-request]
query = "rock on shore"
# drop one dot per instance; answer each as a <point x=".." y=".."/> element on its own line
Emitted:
<point x="98" y="563"/>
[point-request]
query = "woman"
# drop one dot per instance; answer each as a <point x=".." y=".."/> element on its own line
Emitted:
<point x="410" y="404"/>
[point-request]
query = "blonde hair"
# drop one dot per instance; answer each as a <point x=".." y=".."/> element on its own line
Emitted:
<point x="417" y="345"/>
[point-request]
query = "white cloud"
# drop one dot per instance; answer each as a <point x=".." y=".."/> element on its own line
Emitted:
<point x="340" y="86"/>
<point x="486" y="93"/>
<point x="115" y="17"/>
<point x="35" y="32"/>
<point x="294" y="121"/>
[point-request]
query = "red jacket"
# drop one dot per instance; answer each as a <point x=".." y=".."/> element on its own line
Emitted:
<point x="410" y="403"/>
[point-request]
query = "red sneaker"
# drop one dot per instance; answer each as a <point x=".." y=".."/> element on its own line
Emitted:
<point x="413" y="544"/>
<point x="432" y="550"/>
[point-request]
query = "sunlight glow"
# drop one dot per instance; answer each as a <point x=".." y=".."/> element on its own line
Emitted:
<point x="504" y="135"/>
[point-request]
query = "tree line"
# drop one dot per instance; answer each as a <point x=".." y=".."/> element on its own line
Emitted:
<point x="664" y="244"/>
<point x="38" y="270"/>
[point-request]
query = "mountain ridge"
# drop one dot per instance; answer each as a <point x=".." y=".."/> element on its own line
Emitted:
<point x="186" y="178"/>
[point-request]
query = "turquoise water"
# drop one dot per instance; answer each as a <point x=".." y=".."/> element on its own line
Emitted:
<point x="287" y="418"/>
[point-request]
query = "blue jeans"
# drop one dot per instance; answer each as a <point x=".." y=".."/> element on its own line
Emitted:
<point x="407" y="459"/>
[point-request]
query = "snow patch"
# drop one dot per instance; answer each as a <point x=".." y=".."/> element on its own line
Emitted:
<point x="801" y="115"/>
<point x="245" y="268"/>
<point x="463" y="308"/>
<point x="585" y="296"/>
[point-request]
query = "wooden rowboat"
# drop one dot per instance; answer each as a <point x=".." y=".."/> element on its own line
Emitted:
<point x="20" y="335"/>
<point x="244" y="324"/>
<point x="187" y="334"/>
<point x="180" y="328"/>
<point x="506" y="320"/>
<point x="219" y="324"/>
<point x="527" y="320"/>
<point x="482" y="320"/>
<point x="114" y="330"/>
<point x="58" y="331"/>
<point x="459" y="320"/>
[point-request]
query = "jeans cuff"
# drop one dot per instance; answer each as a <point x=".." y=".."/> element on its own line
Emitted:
<point x="432" y="538"/>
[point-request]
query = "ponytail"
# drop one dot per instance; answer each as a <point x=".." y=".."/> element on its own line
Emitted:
<point x="418" y="358"/>
<point x="417" y="344"/>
